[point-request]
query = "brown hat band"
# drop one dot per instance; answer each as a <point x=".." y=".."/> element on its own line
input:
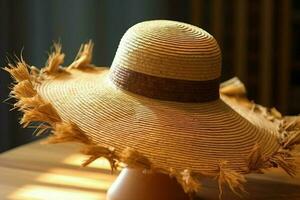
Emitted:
<point x="165" y="88"/>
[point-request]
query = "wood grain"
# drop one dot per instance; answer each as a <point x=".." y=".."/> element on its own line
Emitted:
<point x="43" y="172"/>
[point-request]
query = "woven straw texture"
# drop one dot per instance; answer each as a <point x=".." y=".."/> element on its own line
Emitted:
<point x="173" y="135"/>
<point x="185" y="51"/>
<point x="210" y="137"/>
<point x="195" y="136"/>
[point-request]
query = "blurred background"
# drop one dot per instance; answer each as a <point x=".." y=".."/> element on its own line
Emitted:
<point x="259" y="41"/>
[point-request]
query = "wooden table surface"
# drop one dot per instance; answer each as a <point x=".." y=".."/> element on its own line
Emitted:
<point x="44" y="172"/>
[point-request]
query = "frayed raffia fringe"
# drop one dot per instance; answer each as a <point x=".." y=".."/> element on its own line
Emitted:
<point x="281" y="159"/>
<point x="288" y="127"/>
<point x="55" y="59"/>
<point x="232" y="179"/>
<point x="233" y="87"/>
<point x="133" y="158"/>
<point x="19" y="72"/>
<point x="68" y="132"/>
<point x="23" y="89"/>
<point x="290" y="131"/>
<point x="255" y="160"/>
<point x="96" y="151"/>
<point x="84" y="56"/>
<point x="285" y="161"/>
<point x="35" y="109"/>
<point x="28" y="101"/>
<point x="189" y="181"/>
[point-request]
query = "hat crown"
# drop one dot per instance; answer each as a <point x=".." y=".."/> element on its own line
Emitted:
<point x="169" y="49"/>
<point x="161" y="56"/>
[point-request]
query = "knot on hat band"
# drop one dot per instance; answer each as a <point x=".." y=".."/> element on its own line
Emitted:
<point x="165" y="88"/>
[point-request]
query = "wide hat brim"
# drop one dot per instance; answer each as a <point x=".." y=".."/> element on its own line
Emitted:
<point x="195" y="136"/>
<point x="80" y="103"/>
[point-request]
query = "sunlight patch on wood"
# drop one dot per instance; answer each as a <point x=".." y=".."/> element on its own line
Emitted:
<point x="38" y="192"/>
<point x="101" y="183"/>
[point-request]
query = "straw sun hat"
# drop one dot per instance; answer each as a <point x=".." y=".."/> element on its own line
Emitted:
<point x="158" y="107"/>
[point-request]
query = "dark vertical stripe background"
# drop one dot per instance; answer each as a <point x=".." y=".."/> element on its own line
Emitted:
<point x="265" y="59"/>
